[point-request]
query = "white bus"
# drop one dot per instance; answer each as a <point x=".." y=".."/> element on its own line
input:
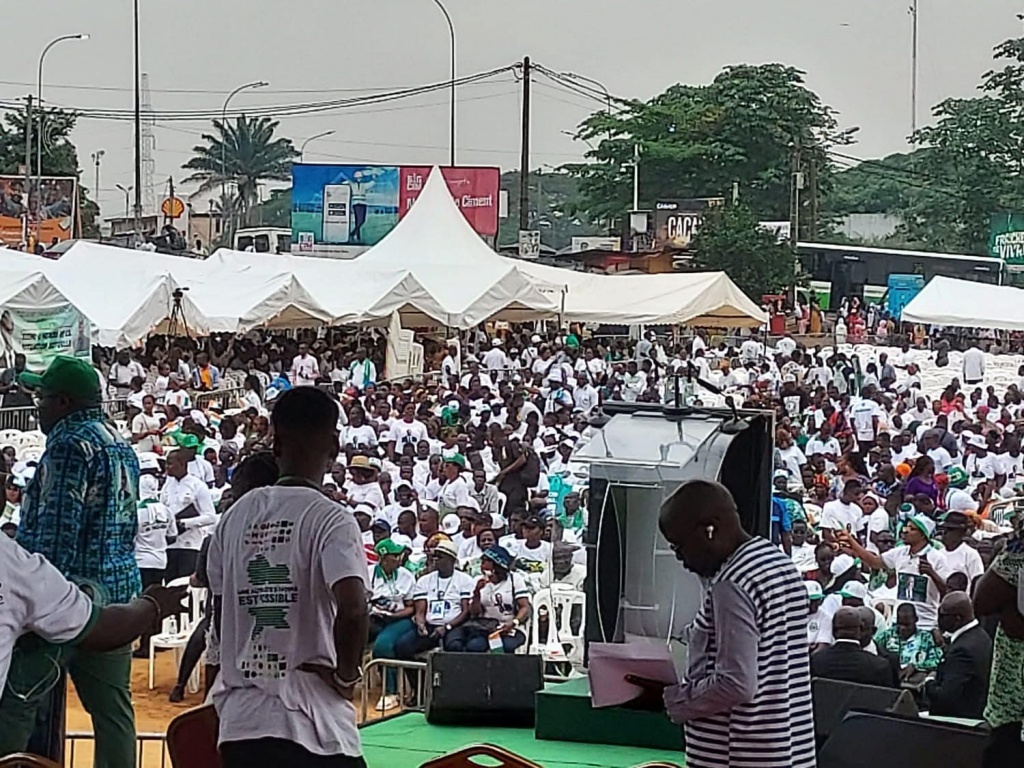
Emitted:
<point x="263" y="240"/>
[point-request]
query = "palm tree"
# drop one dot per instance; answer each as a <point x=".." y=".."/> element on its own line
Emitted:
<point x="244" y="154"/>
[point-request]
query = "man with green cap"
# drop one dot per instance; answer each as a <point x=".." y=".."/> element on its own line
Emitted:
<point x="79" y="511"/>
<point x="956" y="498"/>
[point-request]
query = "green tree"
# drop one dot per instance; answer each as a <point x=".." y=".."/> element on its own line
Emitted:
<point x="276" y="211"/>
<point x="555" y="209"/>
<point x="888" y="185"/>
<point x="730" y="240"/>
<point x="748" y="126"/>
<point x="59" y="154"/>
<point x="245" y="154"/>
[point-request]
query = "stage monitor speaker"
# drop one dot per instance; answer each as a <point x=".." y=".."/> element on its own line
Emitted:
<point x="888" y="740"/>
<point x="496" y="689"/>
<point x="834" y="698"/>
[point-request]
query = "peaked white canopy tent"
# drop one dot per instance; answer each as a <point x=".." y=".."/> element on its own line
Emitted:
<point x="967" y="304"/>
<point x="470" y="281"/>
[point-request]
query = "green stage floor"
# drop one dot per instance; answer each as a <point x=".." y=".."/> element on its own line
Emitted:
<point x="408" y="740"/>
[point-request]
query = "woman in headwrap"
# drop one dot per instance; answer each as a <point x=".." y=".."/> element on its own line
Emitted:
<point x="996" y="595"/>
<point x="390" y="588"/>
<point x="499" y="608"/>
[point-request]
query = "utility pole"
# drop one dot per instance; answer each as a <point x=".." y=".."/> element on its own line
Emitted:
<point x="794" y="201"/>
<point x="524" y="159"/>
<point x="812" y="180"/>
<point x="138" y="132"/>
<point x="96" y="157"/>
<point x="913" y="69"/>
<point x="168" y="218"/>
<point x="28" y="166"/>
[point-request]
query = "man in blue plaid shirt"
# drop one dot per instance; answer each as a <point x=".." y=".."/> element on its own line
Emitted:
<point x="79" y="512"/>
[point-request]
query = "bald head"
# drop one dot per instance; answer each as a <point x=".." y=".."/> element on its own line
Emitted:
<point x="867" y="624"/>
<point x="955" y="611"/>
<point x="846" y="624"/>
<point x="702" y="525"/>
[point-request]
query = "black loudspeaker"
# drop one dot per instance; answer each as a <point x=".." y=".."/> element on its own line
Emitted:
<point x="834" y="698"/>
<point x="495" y="689"/>
<point x="889" y="740"/>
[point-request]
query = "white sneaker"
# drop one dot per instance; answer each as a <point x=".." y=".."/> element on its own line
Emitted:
<point x="390" y="702"/>
<point x="382" y="704"/>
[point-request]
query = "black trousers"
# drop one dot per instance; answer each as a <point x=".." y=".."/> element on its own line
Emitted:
<point x="180" y="562"/>
<point x="1004" y="749"/>
<point x="151" y="576"/>
<point x="280" y="753"/>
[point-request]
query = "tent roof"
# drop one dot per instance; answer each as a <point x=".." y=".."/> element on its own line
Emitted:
<point x="966" y="303"/>
<point x="470" y="281"/>
<point x="22" y="287"/>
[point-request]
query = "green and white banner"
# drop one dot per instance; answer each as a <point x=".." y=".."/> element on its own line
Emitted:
<point x="41" y="334"/>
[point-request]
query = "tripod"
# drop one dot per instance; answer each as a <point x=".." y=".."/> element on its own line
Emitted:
<point x="177" y="315"/>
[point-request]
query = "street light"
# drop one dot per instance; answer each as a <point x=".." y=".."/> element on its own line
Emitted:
<point x="451" y="32"/>
<point x="224" y="132"/>
<point x="39" y="101"/>
<point x="127" y="197"/>
<point x="302" y="149"/>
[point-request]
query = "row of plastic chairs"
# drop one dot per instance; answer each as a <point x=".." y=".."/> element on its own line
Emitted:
<point x="565" y="609"/>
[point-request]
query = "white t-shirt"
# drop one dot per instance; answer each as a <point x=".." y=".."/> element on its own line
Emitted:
<point x="274" y="559"/>
<point x="304" y="371"/>
<point x="178" y="398"/>
<point x="365" y="493"/>
<point x="803" y="558"/>
<point x="750" y="350"/>
<point x="1010" y="466"/>
<point x="982" y="467"/>
<point x="964" y="559"/>
<point x="390" y="594"/>
<point x="942" y="459"/>
<point x="878" y="521"/>
<point x="825" y="447"/>
<point x="35" y="597"/>
<point x="836" y="515"/>
<point x="499" y="600"/>
<point x="143" y="423"/>
<point x="359" y="438"/>
<point x="178" y="494"/>
<point x="973" y="365"/>
<point x="455" y="493"/>
<point x="443" y="596"/>
<point x="408" y="433"/>
<point x="862" y="414"/>
<point x="912" y="586"/>
<point x="540" y="556"/>
<point x="155" y="525"/>
<point x="793" y="458"/>
<point x="202" y="470"/>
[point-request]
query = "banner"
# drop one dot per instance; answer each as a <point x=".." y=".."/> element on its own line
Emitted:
<point x="1006" y="238"/>
<point x="52" y="211"/>
<point x="677" y="221"/>
<point x="41" y="334"/>
<point x="344" y="209"/>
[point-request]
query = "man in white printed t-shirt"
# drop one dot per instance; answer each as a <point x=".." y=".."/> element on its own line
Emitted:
<point x="844" y="513"/>
<point x="305" y="370"/>
<point x="288" y="573"/>
<point x="189" y="502"/>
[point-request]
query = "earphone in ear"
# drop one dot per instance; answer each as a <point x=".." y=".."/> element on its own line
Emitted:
<point x="711" y="531"/>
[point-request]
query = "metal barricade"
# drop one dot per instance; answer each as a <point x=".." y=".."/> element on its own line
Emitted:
<point x="146" y="745"/>
<point x="24" y="418"/>
<point x="222" y="398"/>
<point x="420" y="667"/>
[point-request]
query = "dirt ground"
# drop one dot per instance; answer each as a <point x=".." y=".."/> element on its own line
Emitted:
<point x="153" y="712"/>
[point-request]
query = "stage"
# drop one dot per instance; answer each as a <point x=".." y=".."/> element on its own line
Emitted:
<point x="406" y="741"/>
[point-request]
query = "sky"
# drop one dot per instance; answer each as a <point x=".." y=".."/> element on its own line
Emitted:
<point x="856" y="55"/>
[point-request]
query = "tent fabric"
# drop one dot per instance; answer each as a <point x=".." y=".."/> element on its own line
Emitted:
<point x="688" y="298"/>
<point x="446" y="256"/>
<point x="351" y="292"/>
<point x="967" y="304"/>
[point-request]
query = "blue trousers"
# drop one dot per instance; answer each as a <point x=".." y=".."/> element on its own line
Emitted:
<point x="384" y="648"/>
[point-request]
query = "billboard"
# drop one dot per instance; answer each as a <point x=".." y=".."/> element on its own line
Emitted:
<point x="1006" y="238"/>
<point x="345" y="209"/>
<point x="52" y="212"/>
<point x="677" y="221"/>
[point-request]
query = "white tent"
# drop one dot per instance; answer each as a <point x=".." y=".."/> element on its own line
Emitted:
<point x="688" y="298"/>
<point x="351" y="292"/>
<point x="469" y="280"/>
<point x="965" y="303"/>
<point x="37" y="319"/>
<point x="125" y="294"/>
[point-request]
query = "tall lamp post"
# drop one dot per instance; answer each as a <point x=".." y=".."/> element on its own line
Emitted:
<point x="224" y="131"/>
<point x="451" y="32"/>
<point x="302" y="149"/>
<point x="127" y="197"/>
<point x="39" y="103"/>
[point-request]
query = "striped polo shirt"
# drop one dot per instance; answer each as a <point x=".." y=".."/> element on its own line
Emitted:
<point x="776" y="729"/>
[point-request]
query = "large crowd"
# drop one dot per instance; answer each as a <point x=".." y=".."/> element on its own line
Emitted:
<point x="895" y="473"/>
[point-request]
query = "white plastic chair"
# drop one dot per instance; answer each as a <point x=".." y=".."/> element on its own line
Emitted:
<point x="11" y="437"/>
<point x="887" y="607"/>
<point x="561" y="644"/>
<point x="175" y="637"/>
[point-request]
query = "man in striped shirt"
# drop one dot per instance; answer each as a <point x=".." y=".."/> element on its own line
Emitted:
<point x="746" y="699"/>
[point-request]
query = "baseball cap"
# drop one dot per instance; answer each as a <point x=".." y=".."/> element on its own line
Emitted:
<point x="814" y="590"/>
<point x="924" y="523"/>
<point x="381" y="524"/>
<point x="457" y="459"/>
<point x="451" y="524"/>
<point x="388" y="547"/>
<point x="977" y="441"/>
<point x="957" y="477"/>
<point x="841" y="564"/>
<point x="66" y="376"/>
<point x="496" y="342"/>
<point x="854" y="590"/>
<point x="780" y="474"/>
<point x="535" y="339"/>
<point x="532" y="522"/>
<point x="447" y="548"/>
<point x="954" y="519"/>
<point x="402" y="541"/>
